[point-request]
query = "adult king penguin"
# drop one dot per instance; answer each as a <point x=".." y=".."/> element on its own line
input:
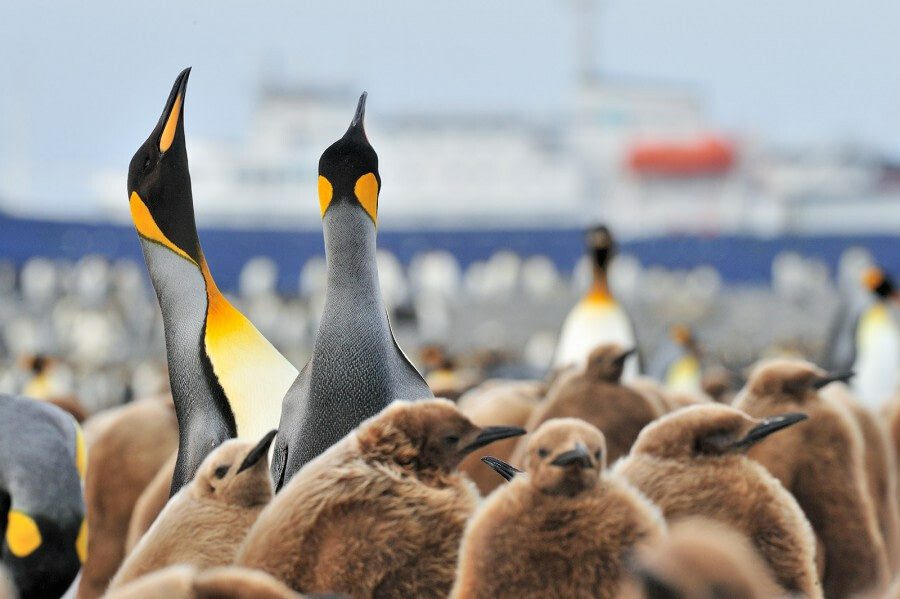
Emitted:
<point x="356" y="368"/>
<point x="598" y="318"/>
<point x="227" y="379"/>
<point x="877" y="362"/>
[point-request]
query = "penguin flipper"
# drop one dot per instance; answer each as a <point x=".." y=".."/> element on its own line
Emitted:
<point x="414" y="383"/>
<point x="289" y="425"/>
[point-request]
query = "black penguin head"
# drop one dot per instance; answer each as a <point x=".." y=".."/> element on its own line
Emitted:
<point x="159" y="183"/>
<point x="348" y="169"/>
<point x="600" y="245"/>
<point x="565" y="456"/>
<point x="878" y="282"/>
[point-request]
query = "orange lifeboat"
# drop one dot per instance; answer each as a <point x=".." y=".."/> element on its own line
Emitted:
<point x="703" y="157"/>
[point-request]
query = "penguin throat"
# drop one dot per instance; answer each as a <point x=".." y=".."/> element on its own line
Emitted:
<point x="599" y="292"/>
<point x="350" y="254"/>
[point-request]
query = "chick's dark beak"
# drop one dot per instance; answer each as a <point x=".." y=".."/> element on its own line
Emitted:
<point x="838" y="377"/>
<point x="258" y="452"/>
<point x="490" y="434"/>
<point x="625" y="354"/>
<point x="769" y="426"/>
<point x="507" y="471"/>
<point x="580" y="457"/>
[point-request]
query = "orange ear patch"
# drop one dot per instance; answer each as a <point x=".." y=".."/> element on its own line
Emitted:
<point x="23" y="536"/>
<point x="326" y="192"/>
<point x="366" y="190"/>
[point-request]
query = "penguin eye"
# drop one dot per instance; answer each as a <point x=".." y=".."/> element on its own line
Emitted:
<point x="147" y="163"/>
<point x="451" y="439"/>
<point x="597" y="455"/>
<point x="221" y="471"/>
<point x="543" y="453"/>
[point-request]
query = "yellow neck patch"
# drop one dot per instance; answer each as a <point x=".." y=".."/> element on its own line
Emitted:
<point x="168" y="134"/>
<point x="147" y="227"/>
<point x="253" y="374"/>
<point x="366" y="191"/>
<point x="22" y="534"/>
<point x="81" y="543"/>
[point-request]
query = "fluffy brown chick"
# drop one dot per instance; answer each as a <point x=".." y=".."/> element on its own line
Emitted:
<point x="822" y="464"/>
<point x="380" y="513"/>
<point x="563" y="530"/>
<point x="692" y="463"/>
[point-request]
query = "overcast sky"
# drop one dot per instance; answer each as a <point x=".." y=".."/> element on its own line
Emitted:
<point x="82" y="83"/>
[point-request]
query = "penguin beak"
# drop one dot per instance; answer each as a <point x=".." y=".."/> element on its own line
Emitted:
<point x="580" y="456"/>
<point x="767" y="427"/>
<point x="507" y="471"/>
<point x="624" y="355"/>
<point x="840" y="377"/>
<point x="258" y="452"/>
<point x="357" y="125"/>
<point x="491" y="434"/>
<point x="172" y="114"/>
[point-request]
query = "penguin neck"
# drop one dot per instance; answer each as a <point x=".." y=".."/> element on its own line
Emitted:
<point x="599" y="291"/>
<point x="350" y="255"/>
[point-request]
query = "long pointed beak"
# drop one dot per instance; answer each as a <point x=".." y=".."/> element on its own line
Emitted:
<point x="769" y="426"/>
<point x="491" y="434"/>
<point x="357" y="125"/>
<point x="507" y="471"/>
<point x="579" y="456"/>
<point x="172" y="114"/>
<point x="841" y="377"/>
<point x="258" y="452"/>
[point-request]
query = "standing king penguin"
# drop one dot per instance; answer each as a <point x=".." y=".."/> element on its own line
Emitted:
<point x="877" y="358"/>
<point x="356" y="368"/>
<point x="598" y="318"/>
<point x="227" y="379"/>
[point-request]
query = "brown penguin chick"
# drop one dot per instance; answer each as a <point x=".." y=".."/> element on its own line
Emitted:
<point x="561" y="531"/>
<point x="150" y="503"/>
<point x="381" y="513"/>
<point x="126" y="447"/>
<point x="880" y="467"/>
<point x="822" y="464"/>
<point x="719" y="384"/>
<point x="692" y="463"/>
<point x="704" y="559"/>
<point x="495" y="403"/>
<point x="596" y="396"/>
<point x="203" y="524"/>
<point x="892" y="416"/>
<point x="187" y="582"/>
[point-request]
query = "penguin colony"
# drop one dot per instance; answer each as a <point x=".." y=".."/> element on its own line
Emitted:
<point x="622" y="486"/>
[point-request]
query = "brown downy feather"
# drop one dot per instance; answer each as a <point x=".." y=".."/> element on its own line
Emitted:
<point x="380" y="514"/>
<point x="703" y="558"/>
<point x="203" y="524"/>
<point x="150" y="503"/>
<point x="187" y="582"/>
<point x="880" y="468"/>
<point x="561" y="530"/>
<point x="496" y="403"/>
<point x="821" y="462"/>
<point x="690" y="463"/>
<point x="596" y="395"/>
<point x="126" y="447"/>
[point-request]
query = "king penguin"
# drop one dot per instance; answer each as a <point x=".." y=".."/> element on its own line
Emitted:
<point x="227" y="379"/>
<point x="43" y="531"/>
<point x="598" y="318"/>
<point x="877" y="360"/>
<point x="356" y="368"/>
